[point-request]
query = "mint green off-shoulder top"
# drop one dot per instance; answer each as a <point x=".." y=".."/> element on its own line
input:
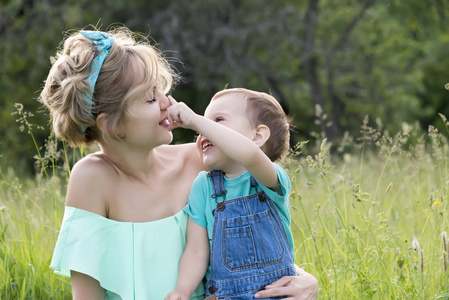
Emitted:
<point x="130" y="260"/>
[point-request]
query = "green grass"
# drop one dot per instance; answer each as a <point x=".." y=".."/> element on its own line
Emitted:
<point x="355" y="219"/>
<point x="355" y="216"/>
<point x="30" y="217"/>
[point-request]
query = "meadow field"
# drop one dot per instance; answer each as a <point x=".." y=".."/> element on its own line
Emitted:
<point x="370" y="218"/>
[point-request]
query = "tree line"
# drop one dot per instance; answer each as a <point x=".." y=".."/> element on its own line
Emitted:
<point x="330" y="63"/>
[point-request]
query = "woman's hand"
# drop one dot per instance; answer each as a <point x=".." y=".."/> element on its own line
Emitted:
<point x="301" y="287"/>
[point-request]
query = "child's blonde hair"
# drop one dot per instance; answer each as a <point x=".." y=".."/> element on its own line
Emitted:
<point x="129" y="71"/>
<point x="264" y="109"/>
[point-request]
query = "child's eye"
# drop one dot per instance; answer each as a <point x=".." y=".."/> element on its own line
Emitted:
<point x="219" y="119"/>
<point x="151" y="100"/>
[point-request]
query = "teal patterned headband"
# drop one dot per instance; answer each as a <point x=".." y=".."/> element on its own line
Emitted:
<point x="104" y="42"/>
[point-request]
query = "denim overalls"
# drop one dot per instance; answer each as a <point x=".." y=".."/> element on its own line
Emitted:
<point x="249" y="248"/>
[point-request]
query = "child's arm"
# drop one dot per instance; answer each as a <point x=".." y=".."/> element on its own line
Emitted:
<point x="194" y="262"/>
<point x="235" y="145"/>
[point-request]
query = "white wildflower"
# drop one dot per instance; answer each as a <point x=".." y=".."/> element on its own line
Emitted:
<point x="415" y="244"/>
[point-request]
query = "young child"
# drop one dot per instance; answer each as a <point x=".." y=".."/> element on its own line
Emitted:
<point x="242" y="206"/>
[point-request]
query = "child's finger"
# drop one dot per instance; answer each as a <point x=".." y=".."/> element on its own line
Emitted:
<point x="169" y="115"/>
<point x="172" y="100"/>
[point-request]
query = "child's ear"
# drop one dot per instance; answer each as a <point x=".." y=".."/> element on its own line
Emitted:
<point x="261" y="135"/>
<point x="101" y="121"/>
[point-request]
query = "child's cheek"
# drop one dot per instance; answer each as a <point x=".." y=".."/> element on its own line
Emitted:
<point x="198" y="145"/>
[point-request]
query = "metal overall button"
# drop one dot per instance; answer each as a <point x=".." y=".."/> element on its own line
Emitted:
<point x="262" y="197"/>
<point x="213" y="289"/>
<point x="220" y="207"/>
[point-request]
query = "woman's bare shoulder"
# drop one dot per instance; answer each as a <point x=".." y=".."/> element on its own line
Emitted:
<point x="92" y="166"/>
<point x="90" y="179"/>
<point x="185" y="154"/>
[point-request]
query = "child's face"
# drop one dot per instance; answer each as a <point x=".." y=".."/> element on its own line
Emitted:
<point x="228" y="110"/>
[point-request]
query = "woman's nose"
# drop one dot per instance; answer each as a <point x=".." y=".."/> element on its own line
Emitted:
<point x="164" y="103"/>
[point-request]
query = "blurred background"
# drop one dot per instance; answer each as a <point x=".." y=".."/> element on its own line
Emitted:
<point x="330" y="63"/>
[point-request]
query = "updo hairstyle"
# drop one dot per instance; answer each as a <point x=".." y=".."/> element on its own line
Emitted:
<point x="130" y="70"/>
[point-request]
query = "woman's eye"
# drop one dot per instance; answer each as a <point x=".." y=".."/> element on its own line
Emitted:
<point x="151" y="100"/>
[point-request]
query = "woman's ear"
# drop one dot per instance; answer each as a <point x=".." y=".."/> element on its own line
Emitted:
<point x="101" y="121"/>
<point x="262" y="135"/>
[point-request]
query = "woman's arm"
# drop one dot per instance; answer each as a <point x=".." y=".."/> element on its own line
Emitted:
<point x="85" y="287"/>
<point x="85" y="191"/>
<point x="301" y="287"/>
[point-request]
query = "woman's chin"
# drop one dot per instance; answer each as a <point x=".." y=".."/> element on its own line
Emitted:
<point x="169" y="138"/>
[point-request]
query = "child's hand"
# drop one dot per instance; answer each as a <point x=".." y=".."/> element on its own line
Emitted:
<point x="174" y="295"/>
<point x="179" y="114"/>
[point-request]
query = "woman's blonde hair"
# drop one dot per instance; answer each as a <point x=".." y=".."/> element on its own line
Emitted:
<point x="130" y="70"/>
<point x="264" y="109"/>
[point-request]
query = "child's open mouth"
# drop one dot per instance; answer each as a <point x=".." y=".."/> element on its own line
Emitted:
<point x="206" y="144"/>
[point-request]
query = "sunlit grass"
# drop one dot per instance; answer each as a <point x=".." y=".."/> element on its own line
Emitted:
<point x="355" y="218"/>
<point x="30" y="217"/>
<point x="371" y="223"/>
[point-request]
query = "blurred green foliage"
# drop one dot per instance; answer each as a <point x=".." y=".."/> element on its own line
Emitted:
<point x="330" y="63"/>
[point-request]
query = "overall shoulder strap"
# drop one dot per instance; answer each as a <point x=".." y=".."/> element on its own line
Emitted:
<point x="217" y="178"/>
<point x="253" y="181"/>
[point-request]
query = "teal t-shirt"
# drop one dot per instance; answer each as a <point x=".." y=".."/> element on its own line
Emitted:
<point x="201" y="204"/>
